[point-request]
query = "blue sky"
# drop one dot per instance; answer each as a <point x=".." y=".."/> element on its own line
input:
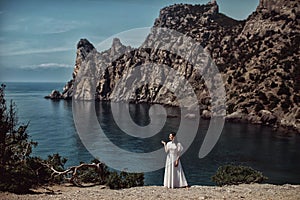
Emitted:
<point x="38" y="37"/>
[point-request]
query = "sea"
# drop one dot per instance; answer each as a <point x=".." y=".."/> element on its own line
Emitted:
<point x="51" y="124"/>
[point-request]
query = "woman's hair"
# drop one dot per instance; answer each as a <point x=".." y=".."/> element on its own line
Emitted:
<point x="173" y="133"/>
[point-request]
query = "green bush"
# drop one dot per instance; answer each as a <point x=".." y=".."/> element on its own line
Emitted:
<point x="110" y="178"/>
<point x="124" y="180"/>
<point x="16" y="179"/>
<point x="19" y="171"/>
<point x="132" y="179"/>
<point x="15" y="149"/>
<point x="233" y="175"/>
<point x="114" y="181"/>
<point x="91" y="175"/>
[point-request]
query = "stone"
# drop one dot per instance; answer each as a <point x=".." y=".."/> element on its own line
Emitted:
<point x="55" y="95"/>
<point x="235" y="116"/>
<point x="267" y="117"/>
<point x="206" y="114"/>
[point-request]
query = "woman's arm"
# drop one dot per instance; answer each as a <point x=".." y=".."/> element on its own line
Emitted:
<point x="165" y="146"/>
<point x="178" y="154"/>
<point x="179" y="150"/>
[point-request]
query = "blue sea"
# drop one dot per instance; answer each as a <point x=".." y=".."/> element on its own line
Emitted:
<point x="51" y="125"/>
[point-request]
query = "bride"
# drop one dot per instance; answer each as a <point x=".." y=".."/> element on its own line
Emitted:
<point x="174" y="175"/>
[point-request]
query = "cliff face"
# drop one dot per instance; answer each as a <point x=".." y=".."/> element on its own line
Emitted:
<point x="92" y="64"/>
<point x="267" y="66"/>
<point x="258" y="59"/>
<point x="283" y="7"/>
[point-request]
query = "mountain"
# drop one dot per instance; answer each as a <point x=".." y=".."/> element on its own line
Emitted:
<point x="258" y="59"/>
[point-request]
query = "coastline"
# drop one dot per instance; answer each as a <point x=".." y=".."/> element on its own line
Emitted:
<point x="243" y="191"/>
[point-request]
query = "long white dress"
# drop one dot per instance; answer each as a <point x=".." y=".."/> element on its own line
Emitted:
<point x="174" y="176"/>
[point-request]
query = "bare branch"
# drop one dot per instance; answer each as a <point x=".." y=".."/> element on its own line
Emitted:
<point x="74" y="171"/>
<point x="26" y="151"/>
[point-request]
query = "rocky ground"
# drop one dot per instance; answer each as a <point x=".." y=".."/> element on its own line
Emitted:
<point x="252" y="191"/>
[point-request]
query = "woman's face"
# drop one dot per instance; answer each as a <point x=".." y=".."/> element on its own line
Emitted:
<point x="171" y="137"/>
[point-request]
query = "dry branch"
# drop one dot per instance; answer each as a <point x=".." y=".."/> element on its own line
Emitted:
<point x="74" y="171"/>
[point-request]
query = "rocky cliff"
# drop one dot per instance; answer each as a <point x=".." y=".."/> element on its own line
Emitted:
<point x="258" y="59"/>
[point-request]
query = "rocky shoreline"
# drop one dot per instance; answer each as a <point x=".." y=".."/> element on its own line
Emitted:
<point x="243" y="191"/>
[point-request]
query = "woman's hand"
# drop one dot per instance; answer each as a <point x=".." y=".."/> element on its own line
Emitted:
<point x="176" y="163"/>
<point x="163" y="142"/>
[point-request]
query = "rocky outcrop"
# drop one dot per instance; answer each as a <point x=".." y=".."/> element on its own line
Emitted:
<point x="264" y="76"/>
<point x="90" y="61"/>
<point x="54" y="95"/>
<point x="84" y="48"/>
<point x="290" y="7"/>
<point x="258" y="59"/>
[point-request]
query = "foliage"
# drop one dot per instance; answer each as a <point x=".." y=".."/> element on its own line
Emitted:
<point x="15" y="148"/>
<point x="45" y="174"/>
<point x="110" y="178"/>
<point x="233" y="175"/>
<point x="125" y="180"/>
<point x="19" y="172"/>
<point x="91" y="175"/>
<point x="114" y="181"/>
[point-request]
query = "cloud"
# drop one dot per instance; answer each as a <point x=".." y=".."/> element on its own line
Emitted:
<point x="55" y="26"/>
<point x="11" y="27"/>
<point x="13" y="23"/>
<point x="41" y="25"/>
<point x="33" y="51"/>
<point x="20" y="37"/>
<point x="47" y="66"/>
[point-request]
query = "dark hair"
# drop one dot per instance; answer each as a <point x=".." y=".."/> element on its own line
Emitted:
<point x="173" y="133"/>
<point x="175" y="139"/>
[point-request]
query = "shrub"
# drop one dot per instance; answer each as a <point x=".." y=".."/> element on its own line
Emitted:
<point x="132" y="179"/>
<point x="15" y="149"/>
<point x="233" y="175"/>
<point x="285" y="104"/>
<point x="91" y="175"/>
<point x="258" y="107"/>
<point x="114" y="181"/>
<point x="125" y="180"/>
<point x="19" y="171"/>
<point x="263" y="97"/>
<point x="274" y="101"/>
<point x="17" y="178"/>
<point x="284" y="90"/>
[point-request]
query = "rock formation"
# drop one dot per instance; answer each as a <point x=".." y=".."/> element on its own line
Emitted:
<point x="258" y="59"/>
<point x="54" y="95"/>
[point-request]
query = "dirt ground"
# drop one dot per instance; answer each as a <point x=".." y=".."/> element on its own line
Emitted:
<point x="243" y="191"/>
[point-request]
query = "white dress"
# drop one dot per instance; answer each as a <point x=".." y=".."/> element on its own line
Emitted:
<point x="174" y="176"/>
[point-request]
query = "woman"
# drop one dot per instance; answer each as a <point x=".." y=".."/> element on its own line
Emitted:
<point x="174" y="175"/>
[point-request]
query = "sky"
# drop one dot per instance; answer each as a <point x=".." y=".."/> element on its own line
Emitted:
<point x="38" y="37"/>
